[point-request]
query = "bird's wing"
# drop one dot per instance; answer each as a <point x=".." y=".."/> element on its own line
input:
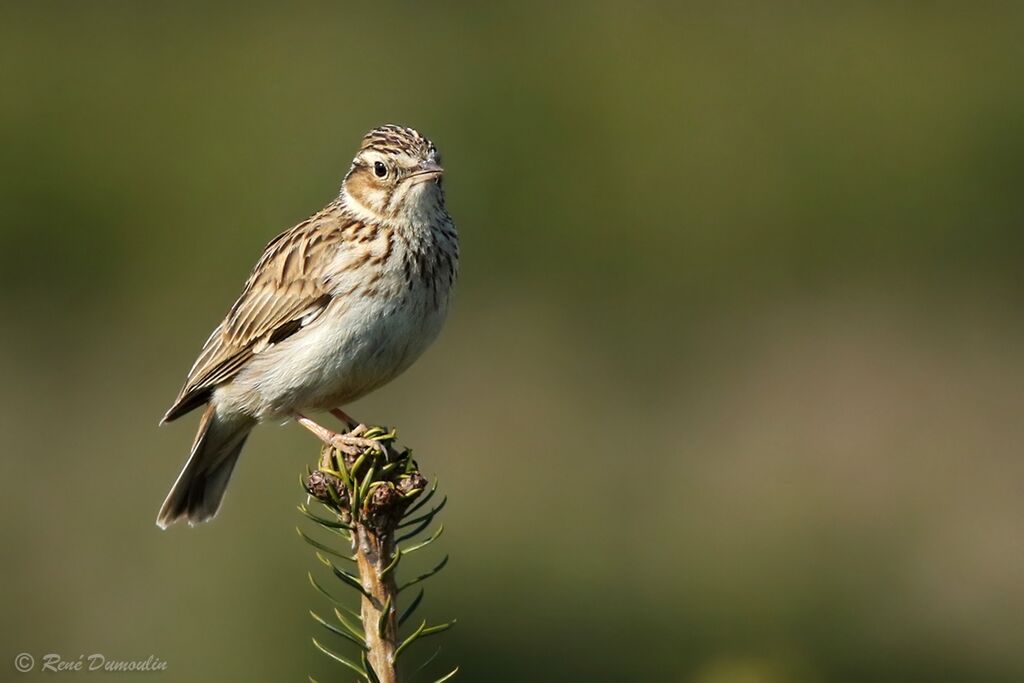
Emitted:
<point x="286" y="291"/>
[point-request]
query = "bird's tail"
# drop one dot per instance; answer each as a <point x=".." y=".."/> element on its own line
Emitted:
<point x="199" y="489"/>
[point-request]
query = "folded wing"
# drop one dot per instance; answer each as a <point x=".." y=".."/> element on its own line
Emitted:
<point x="286" y="291"/>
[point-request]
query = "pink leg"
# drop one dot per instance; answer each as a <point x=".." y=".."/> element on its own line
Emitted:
<point x="352" y="442"/>
<point x="322" y="433"/>
<point x="349" y="421"/>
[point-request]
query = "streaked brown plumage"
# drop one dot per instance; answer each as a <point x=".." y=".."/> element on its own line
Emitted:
<point x="337" y="306"/>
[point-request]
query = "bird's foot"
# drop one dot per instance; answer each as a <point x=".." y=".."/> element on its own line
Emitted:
<point x="351" y="443"/>
<point x="354" y="443"/>
<point x="327" y="460"/>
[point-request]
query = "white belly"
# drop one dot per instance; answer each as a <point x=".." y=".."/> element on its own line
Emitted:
<point x="354" y="347"/>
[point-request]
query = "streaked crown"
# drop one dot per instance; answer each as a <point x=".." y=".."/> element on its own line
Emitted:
<point x="392" y="139"/>
<point x="395" y="176"/>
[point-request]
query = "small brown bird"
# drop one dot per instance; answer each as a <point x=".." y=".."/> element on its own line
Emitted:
<point x="337" y="306"/>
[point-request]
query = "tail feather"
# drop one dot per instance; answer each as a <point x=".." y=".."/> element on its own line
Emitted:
<point x="197" y="493"/>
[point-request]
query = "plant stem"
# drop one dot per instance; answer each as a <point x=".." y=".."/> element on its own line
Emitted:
<point x="371" y="493"/>
<point x="374" y="553"/>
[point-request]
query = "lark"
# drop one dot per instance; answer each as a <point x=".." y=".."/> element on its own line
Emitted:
<point x="336" y="307"/>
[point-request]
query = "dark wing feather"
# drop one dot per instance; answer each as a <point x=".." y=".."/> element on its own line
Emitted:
<point x="287" y="289"/>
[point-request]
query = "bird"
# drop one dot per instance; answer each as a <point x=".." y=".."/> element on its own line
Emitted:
<point x="336" y="307"/>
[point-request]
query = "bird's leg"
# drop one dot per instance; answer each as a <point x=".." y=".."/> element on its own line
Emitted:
<point x="349" y="421"/>
<point x="350" y="443"/>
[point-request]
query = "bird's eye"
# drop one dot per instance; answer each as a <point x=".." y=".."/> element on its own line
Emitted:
<point x="380" y="169"/>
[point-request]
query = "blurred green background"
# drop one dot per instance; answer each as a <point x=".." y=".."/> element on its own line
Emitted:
<point x="732" y="392"/>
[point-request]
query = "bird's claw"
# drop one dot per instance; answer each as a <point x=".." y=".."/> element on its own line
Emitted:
<point x="354" y="443"/>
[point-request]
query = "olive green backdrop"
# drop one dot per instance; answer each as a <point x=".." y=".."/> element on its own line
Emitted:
<point x="732" y="392"/>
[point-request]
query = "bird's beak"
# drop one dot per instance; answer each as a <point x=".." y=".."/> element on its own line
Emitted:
<point x="428" y="170"/>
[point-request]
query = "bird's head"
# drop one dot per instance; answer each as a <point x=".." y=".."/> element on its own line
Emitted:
<point x="395" y="176"/>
